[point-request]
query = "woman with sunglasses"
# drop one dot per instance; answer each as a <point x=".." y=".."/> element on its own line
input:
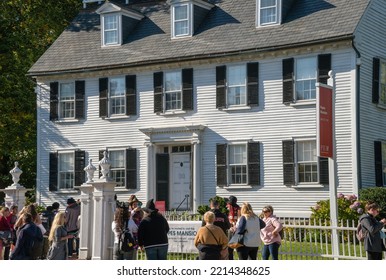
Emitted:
<point x="270" y="234"/>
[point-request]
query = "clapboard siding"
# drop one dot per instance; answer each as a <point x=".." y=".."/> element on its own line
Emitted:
<point x="370" y="41"/>
<point x="269" y="123"/>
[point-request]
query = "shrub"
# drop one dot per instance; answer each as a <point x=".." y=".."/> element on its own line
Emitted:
<point x="222" y="202"/>
<point x="349" y="208"/>
<point x="375" y="194"/>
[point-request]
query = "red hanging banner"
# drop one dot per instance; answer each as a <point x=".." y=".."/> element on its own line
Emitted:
<point x="325" y="121"/>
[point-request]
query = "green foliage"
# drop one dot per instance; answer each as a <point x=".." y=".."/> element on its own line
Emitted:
<point x="375" y="194"/>
<point x="222" y="202"/>
<point x="349" y="208"/>
<point x="28" y="28"/>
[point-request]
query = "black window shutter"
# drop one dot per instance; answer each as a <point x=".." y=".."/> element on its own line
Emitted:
<point x="131" y="95"/>
<point x="158" y="80"/>
<point x="221" y="164"/>
<point x="80" y="89"/>
<point x="378" y="163"/>
<point x="254" y="163"/>
<point x="220" y="86"/>
<point x="323" y="171"/>
<point x="54" y="95"/>
<point x="376" y="70"/>
<point x="53" y="178"/>
<point x="80" y="161"/>
<point x="288" y="80"/>
<point x="324" y="66"/>
<point x="253" y="83"/>
<point x="103" y="96"/>
<point x="187" y="89"/>
<point x="162" y="178"/>
<point x="131" y="168"/>
<point x="100" y="156"/>
<point x="288" y="162"/>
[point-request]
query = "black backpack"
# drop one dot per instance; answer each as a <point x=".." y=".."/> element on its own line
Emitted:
<point x="126" y="241"/>
<point x="35" y="249"/>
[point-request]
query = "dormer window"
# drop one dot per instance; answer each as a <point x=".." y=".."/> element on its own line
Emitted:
<point x="181" y="20"/>
<point x="268" y="12"/>
<point x="111" y="30"/>
<point x="186" y="16"/>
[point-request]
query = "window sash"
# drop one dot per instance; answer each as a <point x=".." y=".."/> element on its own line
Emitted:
<point x="306" y="161"/>
<point x="66" y="171"/>
<point x="117" y="93"/>
<point x="118" y="166"/>
<point x="268" y="12"/>
<point x="173" y="90"/>
<point x="110" y="28"/>
<point x="66" y="101"/>
<point x="181" y="20"/>
<point x="305" y="78"/>
<point x="238" y="164"/>
<point x="382" y="83"/>
<point x="384" y="162"/>
<point x="236" y="85"/>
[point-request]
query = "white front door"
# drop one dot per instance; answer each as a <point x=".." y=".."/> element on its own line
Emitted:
<point x="181" y="181"/>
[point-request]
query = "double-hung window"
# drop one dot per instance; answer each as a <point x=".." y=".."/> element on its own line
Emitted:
<point x="268" y="12"/>
<point x="307" y="164"/>
<point x="181" y="22"/>
<point x="118" y="168"/>
<point x="238" y="164"/>
<point x="382" y="83"/>
<point x="117" y="96"/>
<point x="305" y="78"/>
<point x="110" y="30"/>
<point x="236" y="85"/>
<point x="66" y="171"/>
<point x="173" y="91"/>
<point x="66" y="101"/>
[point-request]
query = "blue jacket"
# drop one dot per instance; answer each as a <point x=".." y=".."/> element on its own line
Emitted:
<point x="26" y="235"/>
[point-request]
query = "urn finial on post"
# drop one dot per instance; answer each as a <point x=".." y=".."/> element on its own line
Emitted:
<point x="90" y="169"/>
<point x="16" y="172"/>
<point x="105" y="164"/>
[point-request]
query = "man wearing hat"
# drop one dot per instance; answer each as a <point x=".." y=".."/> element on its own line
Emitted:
<point x="153" y="233"/>
<point x="72" y="214"/>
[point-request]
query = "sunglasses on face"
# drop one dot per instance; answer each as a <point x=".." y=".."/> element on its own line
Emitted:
<point x="266" y="211"/>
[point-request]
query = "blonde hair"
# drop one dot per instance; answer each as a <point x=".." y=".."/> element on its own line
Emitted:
<point x="209" y="217"/>
<point x="246" y="210"/>
<point x="58" y="221"/>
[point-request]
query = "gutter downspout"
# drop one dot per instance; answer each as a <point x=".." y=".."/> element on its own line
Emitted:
<point x="357" y="96"/>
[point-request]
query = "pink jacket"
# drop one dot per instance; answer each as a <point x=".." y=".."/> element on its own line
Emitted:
<point x="271" y="223"/>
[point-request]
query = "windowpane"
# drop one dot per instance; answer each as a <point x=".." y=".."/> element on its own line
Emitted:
<point x="384" y="163"/>
<point x="110" y="30"/>
<point x="307" y="162"/>
<point x="66" y="171"/>
<point x="305" y="78"/>
<point x="66" y="100"/>
<point x="382" y="91"/>
<point x="117" y="95"/>
<point x="117" y="159"/>
<point x="173" y="86"/>
<point x="268" y="11"/>
<point x="237" y="154"/>
<point x="181" y="20"/>
<point x="236" y="93"/>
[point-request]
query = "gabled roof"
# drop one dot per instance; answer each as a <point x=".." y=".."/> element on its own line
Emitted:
<point x="228" y="28"/>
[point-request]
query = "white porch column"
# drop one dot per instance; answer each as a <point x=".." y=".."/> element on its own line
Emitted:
<point x="103" y="199"/>
<point x="86" y="221"/>
<point x="150" y="192"/>
<point x="196" y="174"/>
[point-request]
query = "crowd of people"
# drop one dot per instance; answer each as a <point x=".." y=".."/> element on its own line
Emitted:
<point x="53" y="234"/>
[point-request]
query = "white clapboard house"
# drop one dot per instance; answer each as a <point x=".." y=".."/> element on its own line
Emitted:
<point x="197" y="98"/>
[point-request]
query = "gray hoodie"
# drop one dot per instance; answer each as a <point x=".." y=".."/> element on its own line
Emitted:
<point x="373" y="241"/>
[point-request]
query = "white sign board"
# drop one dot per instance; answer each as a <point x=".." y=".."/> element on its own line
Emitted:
<point x="181" y="236"/>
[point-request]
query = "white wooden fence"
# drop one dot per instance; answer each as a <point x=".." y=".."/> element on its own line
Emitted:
<point x="304" y="239"/>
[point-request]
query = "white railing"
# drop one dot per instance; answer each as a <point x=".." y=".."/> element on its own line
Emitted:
<point x="304" y="239"/>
